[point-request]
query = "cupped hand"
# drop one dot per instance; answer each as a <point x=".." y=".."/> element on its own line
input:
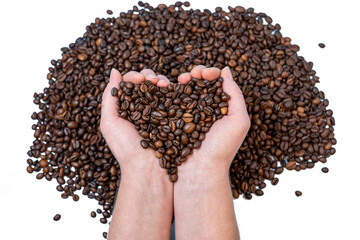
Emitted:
<point x="120" y="134"/>
<point x="226" y="135"/>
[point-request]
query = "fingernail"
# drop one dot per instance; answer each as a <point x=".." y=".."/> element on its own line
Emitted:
<point x="151" y="75"/>
<point x="112" y="73"/>
<point x="161" y="80"/>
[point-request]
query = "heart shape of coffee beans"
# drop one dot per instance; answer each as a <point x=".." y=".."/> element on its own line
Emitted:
<point x="172" y="120"/>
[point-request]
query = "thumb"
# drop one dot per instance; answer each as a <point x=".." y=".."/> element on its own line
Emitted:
<point x="237" y="106"/>
<point x="109" y="106"/>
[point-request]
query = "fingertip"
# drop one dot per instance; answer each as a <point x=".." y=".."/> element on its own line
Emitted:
<point x="163" y="81"/>
<point x="196" y="72"/>
<point x="184" y="78"/>
<point x="150" y="75"/>
<point x="211" y="73"/>
<point x="134" y="77"/>
<point x="115" y="75"/>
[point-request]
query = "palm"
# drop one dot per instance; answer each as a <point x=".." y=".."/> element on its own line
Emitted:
<point x="226" y="135"/>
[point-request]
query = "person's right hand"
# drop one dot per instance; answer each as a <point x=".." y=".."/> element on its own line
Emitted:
<point x="226" y="135"/>
<point x="121" y="135"/>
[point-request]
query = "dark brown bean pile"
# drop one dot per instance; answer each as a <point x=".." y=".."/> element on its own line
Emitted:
<point x="173" y="120"/>
<point x="290" y="123"/>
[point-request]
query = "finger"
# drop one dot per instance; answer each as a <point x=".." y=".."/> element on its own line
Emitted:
<point x="134" y="77"/>
<point x="210" y="73"/>
<point x="184" y="78"/>
<point x="196" y="72"/>
<point x="150" y="75"/>
<point x="109" y="106"/>
<point x="163" y="81"/>
<point x="236" y="103"/>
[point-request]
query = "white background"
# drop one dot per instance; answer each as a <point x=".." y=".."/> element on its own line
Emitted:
<point x="32" y="33"/>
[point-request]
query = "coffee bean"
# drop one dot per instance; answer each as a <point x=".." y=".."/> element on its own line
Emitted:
<point x="29" y="169"/>
<point x="298" y="193"/>
<point x="173" y="177"/>
<point x="189" y="128"/>
<point x="109" y="12"/>
<point x="321" y="45"/>
<point x="57" y="217"/>
<point x="291" y="165"/>
<point x="187" y="117"/>
<point x="144" y="144"/>
<point x="325" y="170"/>
<point x="105" y="235"/>
<point x="93" y="214"/>
<point x="114" y="92"/>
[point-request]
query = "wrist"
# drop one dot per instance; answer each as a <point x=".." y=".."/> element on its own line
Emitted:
<point x="151" y="176"/>
<point x="194" y="177"/>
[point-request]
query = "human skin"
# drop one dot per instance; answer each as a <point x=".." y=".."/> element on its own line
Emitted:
<point x="201" y="197"/>
<point x="144" y="204"/>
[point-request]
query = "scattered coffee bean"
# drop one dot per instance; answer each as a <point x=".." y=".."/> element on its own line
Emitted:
<point x="321" y="45"/>
<point x="109" y="12"/>
<point x="325" y="170"/>
<point x="298" y="193"/>
<point x="57" y="217"/>
<point x="105" y="235"/>
<point x="93" y="214"/>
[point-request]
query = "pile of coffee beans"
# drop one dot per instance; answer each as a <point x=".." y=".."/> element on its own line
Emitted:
<point x="291" y="126"/>
<point x="173" y="120"/>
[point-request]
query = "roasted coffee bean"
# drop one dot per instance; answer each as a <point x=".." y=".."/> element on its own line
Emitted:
<point x="173" y="177"/>
<point x="298" y="193"/>
<point x="290" y="119"/>
<point x="57" y="217"/>
<point x="93" y="214"/>
<point x="189" y="127"/>
<point x="114" y="92"/>
<point x="144" y="144"/>
<point x="105" y="235"/>
<point x="325" y="170"/>
<point x="321" y="45"/>
<point x="109" y="12"/>
<point x="291" y="165"/>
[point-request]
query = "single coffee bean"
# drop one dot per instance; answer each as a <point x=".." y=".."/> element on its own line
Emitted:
<point x="173" y="177"/>
<point x="291" y="165"/>
<point x="298" y="193"/>
<point x="325" y="170"/>
<point x="144" y="144"/>
<point x="187" y="117"/>
<point x="93" y="214"/>
<point x="57" y="217"/>
<point x="321" y="45"/>
<point x="114" y="92"/>
<point x="189" y="127"/>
